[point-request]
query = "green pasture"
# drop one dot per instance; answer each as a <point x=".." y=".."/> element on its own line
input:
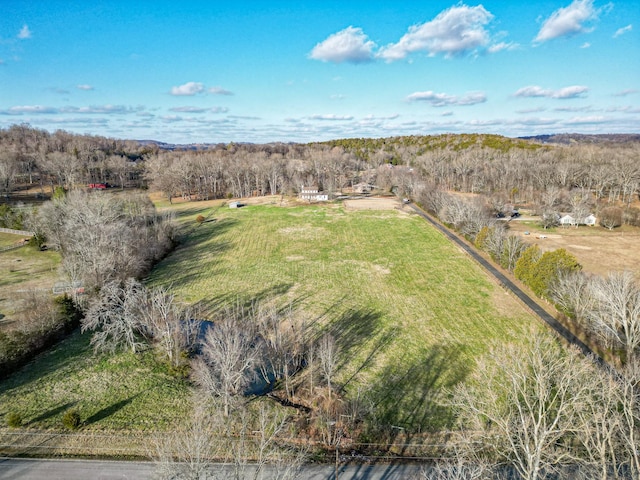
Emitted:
<point x="8" y="239"/>
<point x="111" y="392"/>
<point x="410" y="311"/>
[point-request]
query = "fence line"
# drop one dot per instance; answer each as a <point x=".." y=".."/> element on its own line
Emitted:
<point x="141" y="444"/>
<point x="11" y="247"/>
<point x="17" y="232"/>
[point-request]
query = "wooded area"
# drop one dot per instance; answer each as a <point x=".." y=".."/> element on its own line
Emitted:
<point x="539" y="411"/>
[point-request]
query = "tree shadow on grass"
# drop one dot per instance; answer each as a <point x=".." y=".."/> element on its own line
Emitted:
<point x="244" y="302"/>
<point x="64" y="355"/>
<point x="108" y="411"/>
<point x="50" y="413"/>
<point x="409" y="397"/>
<point x="358" y="333"/>
<point x="180" y="266"/>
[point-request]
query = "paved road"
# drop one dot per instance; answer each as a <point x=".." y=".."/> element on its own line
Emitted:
<point x="508" y="284"/>
<point x="30" y="469"/>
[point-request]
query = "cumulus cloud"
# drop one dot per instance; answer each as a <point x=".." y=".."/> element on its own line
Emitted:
<point x="331" y="116"/>
<point x="84" y="87"/>
<point x="456" y="31"/>
<point x="574" y="91"/>
<point x="443" y="99"/>
<point x="188" y="89"/>
<point x="623" y="30"/>
<point x="24" y="33"/>
<point x="567" y="21"/>
<point x="349" y="45"/>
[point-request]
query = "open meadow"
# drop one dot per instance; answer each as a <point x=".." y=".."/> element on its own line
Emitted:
<point x="23" y="270"/>
<point x="410" y="311"/>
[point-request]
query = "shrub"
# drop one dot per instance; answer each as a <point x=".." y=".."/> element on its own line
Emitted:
<point x="199" y="219"/>
<point x="14" y="419"/>
<point x="71" y="419"/>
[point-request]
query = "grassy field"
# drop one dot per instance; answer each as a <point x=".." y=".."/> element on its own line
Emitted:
<point x="410" y="311"/>
<point x="118" y="392"/>
<point x="24" y="269"/>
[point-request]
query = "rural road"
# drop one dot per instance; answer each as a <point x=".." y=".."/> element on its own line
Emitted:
<point x="512" y="287"/>
<point x="31" y="469"/>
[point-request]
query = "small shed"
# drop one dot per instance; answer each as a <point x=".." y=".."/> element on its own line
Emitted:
<point x="235" y="205"/>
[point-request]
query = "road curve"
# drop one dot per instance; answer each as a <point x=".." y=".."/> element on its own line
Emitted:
<point x="512" y="287"/>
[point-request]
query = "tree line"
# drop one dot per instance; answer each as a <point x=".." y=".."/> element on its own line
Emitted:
<point x="578" y="178"/>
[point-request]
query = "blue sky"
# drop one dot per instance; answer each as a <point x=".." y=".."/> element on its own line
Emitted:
<point x="214" y="71"/>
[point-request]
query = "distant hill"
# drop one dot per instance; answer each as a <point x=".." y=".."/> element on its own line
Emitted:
<point x="569" y="138"/>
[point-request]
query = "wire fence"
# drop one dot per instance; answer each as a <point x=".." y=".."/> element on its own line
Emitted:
<point x="17" y="232"/>
<point x="142" y="445"/>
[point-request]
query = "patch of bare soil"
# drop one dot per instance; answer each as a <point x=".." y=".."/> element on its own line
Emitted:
<point x="597" y="249"/>
<point x="373" y="203"/>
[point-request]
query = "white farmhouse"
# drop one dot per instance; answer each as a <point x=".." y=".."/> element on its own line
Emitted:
<point x="312" y="194"/>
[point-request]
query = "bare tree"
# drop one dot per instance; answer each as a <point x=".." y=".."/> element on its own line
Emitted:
<point x="249" y="444"/>
<point x="523" y="404"/>
<point x="611" y="217"/>
<point x="229" y="360"/>
<point x="171" y="327"/>
<point x="571" y="293"/>
<point x="629" y="401"/>
<point x="283" y="344"/>
<point x="600" y="424"/>
<point x="187" y="453"/>
<point x="114" y="317"/>
<point x="328" y="356"/>
<point x="615" y="314"/>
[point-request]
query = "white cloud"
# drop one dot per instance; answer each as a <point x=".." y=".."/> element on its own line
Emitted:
<point x="219" y="91"/>
<point x="588" y="119"/>
<point x="20" y="109"/>
<point x="455" y="31"/>
<point x="189" y="109"/>
<point x="188" y="89"/>
<point x="623" y="30"/>
<point x="199" y="110"/>
<point x="624" y="93"/>
<point x="574" y="91"/>
<point x="348" y="45"/>
<point x="498" y="47"/>
<point x="331" y="116"/>
<point x="585" y="45"/>
<point x="443" y="99"/>
<point x="84" y="87"/>
<point x="531" y="110"/>
<point x="101" y="109"/>
<point x="24" y="33"/>
<point x="567" y="21"/>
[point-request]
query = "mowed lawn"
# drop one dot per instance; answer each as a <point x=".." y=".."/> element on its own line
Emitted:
<point x="410" y="311"/>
